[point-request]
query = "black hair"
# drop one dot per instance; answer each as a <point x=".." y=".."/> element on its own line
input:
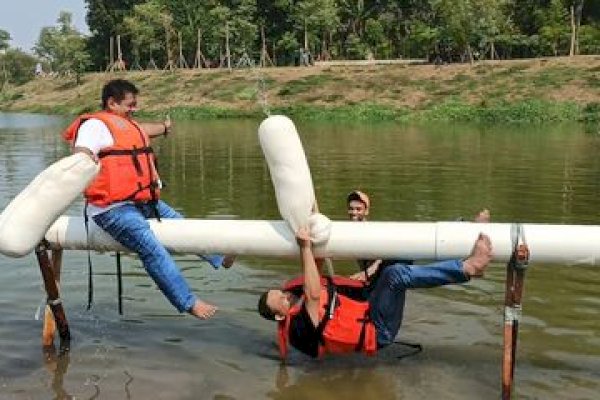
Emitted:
<point x="263" y="309"/>
<point x="117" y="89"/>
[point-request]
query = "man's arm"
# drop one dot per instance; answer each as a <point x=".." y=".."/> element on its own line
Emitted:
<point x="92" y="137"/>
<point x="156" y="129"/>
<point x="85" y="150"/>
<point x="312" y="278"/>
<point x="371" y="269"/>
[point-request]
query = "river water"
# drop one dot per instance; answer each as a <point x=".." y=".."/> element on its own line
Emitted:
<point x="417" y="173"/>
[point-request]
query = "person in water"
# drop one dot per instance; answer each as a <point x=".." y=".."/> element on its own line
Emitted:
<point x="126" y="191"/>
<point x="318" y="319"/>
<point x="358" y="206"/>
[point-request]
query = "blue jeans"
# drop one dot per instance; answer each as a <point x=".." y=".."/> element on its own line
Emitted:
<point x="388" y="296"/>
<point x="127" y="224"/>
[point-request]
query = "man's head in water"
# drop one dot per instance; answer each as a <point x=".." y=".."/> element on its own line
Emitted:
<point x="358" y="205"/>
<point x="274" y="304"/>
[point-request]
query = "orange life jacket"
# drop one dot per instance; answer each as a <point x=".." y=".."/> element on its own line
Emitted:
<point x="127" y="169"/>
<point x="345" y="325"/>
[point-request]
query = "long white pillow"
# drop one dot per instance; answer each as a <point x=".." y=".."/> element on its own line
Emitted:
<point x="25" y="220"/>
<point x="291" y="177"/>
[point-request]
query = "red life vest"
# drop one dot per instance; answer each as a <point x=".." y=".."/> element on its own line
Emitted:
<point x="345" y="324"/>
<point x="127" y="169"/>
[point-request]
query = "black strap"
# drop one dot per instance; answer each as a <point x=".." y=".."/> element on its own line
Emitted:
<point x="126" y="152"/>
<point x="331" y="298"/>
<point x="89" y="257"/>
<point x="363" y="332"/>
<point x="416" y="348"/>
<point x="152" y="185"/>
<point x="119" y="283"/>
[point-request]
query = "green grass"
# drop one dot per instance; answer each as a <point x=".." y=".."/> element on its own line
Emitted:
<point x="304" y="85"/>
<point x="531" y="111"/>
<point x="591" y="113"/>
<point x="594" y="81"/>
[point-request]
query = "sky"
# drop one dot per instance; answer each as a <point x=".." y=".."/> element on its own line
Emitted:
<point x="24" y="19"/>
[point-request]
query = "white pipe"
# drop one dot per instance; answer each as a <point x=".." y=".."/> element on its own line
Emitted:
<point x="558" y="244"/>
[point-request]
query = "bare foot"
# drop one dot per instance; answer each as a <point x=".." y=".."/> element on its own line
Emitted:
<point x="480" y="257"/>
<point x="228" y="261"/>
<point x="483" y="216"/>
<point x="203" y="310"/>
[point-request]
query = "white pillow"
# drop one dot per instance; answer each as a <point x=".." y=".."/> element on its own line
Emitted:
<point x="289" y="170"/>
<point x="25" y="220"/>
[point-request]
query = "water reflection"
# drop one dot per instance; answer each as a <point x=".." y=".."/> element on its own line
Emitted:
<point x="334" y="384"/>
<point x="57" y="365"/>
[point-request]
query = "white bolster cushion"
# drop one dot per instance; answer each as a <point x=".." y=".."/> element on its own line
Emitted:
<point x="320" y="228"/>
<point x="25" y="220"/>
<point x="289" y="170"/>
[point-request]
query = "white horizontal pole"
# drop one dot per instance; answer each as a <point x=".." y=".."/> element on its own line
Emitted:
<point x="557" y="244"/>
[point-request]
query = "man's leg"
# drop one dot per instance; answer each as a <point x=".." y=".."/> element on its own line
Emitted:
<point x="129" y="227"/>
<point x="166" y="211"/>
<point x="388" y="297"/>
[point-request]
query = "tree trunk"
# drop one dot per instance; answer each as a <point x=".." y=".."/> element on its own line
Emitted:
<point x="573" y="33"/>
<point x="305" y="37"/>
<point x="578" y="13"/>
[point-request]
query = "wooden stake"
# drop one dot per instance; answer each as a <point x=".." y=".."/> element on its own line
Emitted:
<point x="111" y="54"/>
<point x="200" y="61"/>
<point x="227" y="52"/>
<point x="118" y="64"/>
<point x="49" y="328"/>
<point x="54" y="301"/>
<point x="264" y="54"/>
<point x="181" y="63"/>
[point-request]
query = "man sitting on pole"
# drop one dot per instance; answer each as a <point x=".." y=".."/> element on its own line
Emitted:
<point x="126" y="192"/>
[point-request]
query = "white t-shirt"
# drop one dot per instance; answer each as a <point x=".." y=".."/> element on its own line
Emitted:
<point x="94" y="135"/>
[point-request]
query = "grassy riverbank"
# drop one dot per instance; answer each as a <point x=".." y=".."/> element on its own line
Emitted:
<point x="538" y="90"/>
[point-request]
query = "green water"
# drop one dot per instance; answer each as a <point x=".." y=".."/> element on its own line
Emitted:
<point x="423" y="173"/>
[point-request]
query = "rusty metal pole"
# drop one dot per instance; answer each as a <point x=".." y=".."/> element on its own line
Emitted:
<point x="515" y="275"/>
<point x="53" y="296"/>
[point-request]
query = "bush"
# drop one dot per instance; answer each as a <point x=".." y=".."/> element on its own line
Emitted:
<point x="20" y="66"/>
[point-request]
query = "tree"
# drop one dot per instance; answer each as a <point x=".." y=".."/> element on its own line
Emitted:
<point x="189" y="16"/>
<point x="150" y="28"/>
<point x="316" y="19"/>
<point x="491" y="23"/>
<point x="17" y="67"/>
<point x="4" y="39"/>
<point x="576" y="12"/>
<point x="554" y="25"/>
<point x="63" y="47"/>
<point x="458" y="21"/>
<point x="243" y="26"/>
<point x="105" y="20"/>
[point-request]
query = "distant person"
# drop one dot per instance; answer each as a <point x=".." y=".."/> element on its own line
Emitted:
<point x="126" y="192"/>
<point x="358" y="206"/>
<point x="321" y="320"/>
<point x="39" y="70"/>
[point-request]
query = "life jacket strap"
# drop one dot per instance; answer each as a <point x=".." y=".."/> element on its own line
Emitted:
<point x="416" y="348"/>
<point x="89" y="257"/>
<point x="119" y="283"/>
<point x="126" y="152"/>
